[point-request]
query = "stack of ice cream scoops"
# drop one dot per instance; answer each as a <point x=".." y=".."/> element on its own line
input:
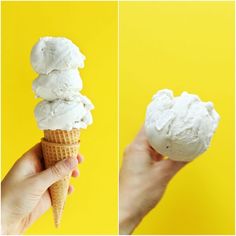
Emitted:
<point x="63" y="111"/>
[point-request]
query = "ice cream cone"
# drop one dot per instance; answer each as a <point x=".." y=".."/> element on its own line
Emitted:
<point x="58" y="145"/>
<point x="62" y="136"/>
<point x="64" y="110"/>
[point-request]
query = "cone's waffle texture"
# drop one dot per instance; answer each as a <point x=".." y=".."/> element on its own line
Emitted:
<point x="62" y="136"/>
<point x="54" y="152"/>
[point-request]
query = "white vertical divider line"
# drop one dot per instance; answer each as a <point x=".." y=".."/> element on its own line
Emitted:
<point x="234" y="121"/>
<point x="1" y="97"/>
<point x="118" y="106"/>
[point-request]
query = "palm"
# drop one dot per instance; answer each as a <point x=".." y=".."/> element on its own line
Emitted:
<point x="25" y="196"/>
<point x="145" y="169"/>
<point x="42" y="202"/>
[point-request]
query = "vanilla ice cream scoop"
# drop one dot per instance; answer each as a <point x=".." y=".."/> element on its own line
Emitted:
<point x="55" y="53"/>
<point x="64" y="84"/>
<point x="64" y="115"/>
<point x="180" y="127"/>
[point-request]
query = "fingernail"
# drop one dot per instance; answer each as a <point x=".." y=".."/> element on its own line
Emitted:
<point x="71" y="162"/>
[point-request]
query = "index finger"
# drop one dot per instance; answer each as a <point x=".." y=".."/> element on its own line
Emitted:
<point x="34" y="153"/>
<point x="141" y="137"/>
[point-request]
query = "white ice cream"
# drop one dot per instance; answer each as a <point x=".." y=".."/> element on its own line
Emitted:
<point x="64" y="115"/>
<point x="65" y="84"/>
<point x="180" y="127"/>
<point x="55" y="53"/>
<point x="59" y="84"/>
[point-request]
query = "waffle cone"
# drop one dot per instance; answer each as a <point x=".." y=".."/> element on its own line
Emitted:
<point x="52" y="153"/>
<point x="62" y="136"/>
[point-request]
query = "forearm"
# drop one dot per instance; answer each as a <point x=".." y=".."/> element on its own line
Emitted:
<point x="127" y="223"/>
<point x="129" y="215"/>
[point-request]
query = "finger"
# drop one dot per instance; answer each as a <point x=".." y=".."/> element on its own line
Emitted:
<point x="142" y="141"/>
<point x="141" y="136"/>
<point x="75" y="173"/>
<point x="29" y="163"/>
<point x="155" y="155"/>
<point x="80" y="158"/>
<point x="70" y="189"/>
<point x="34" y="153"/>
<point x="43" y="205"/>
<point x="51" y="175"/>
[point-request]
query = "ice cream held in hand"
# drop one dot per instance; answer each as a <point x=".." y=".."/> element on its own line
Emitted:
<point x="64" y="110"/>
<point x="180" y="127"/>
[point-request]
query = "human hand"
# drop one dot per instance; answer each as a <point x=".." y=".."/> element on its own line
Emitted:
<point x="25" y="196"/>
<point x="144" y="176"/>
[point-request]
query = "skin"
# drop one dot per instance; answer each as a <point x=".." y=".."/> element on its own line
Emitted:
<point x="25" y="196"/>
<point x="144" y="176"/>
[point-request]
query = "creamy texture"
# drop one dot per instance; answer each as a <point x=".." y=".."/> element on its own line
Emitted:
<point x="55" y="53"/>
<point x="180" y="127"/>
<point x="57" y="84"/>
<point x="64" y="115"/>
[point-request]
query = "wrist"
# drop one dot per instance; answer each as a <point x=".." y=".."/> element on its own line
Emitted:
<point x="128" y="222"/>
<point x="130" y="214"/>
<point x="129" y="218"/>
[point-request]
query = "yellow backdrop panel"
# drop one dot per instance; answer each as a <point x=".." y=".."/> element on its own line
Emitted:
<point x="92" y="208"/>
<point x="184" y="46"/>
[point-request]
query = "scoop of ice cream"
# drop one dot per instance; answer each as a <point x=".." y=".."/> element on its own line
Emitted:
<point x="180" y="127"/>
<point x="64" y="84"/>
<point x="55" y="53"/>
<point x="64" y="115"/>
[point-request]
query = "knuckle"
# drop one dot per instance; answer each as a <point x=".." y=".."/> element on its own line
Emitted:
<point x="35" y="183"/>
<point x="57" y="170"/>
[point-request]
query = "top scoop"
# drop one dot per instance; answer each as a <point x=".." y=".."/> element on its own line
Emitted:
<point x="180" y="127"/>
<point x="55" y="53"/>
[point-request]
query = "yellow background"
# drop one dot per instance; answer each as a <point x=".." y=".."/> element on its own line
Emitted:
<point x="183" y="46"/>
<point x="92" y="208"/>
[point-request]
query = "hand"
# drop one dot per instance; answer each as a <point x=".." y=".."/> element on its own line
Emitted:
<point x="25" y="195"/>
<point x="144" y="176"/>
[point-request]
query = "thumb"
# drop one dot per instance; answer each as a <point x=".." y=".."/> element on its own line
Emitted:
<point x="54" y="173"/>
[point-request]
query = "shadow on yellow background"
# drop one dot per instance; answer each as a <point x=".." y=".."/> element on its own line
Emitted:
<point x="92" y="208"/>
<point x="184" y="46"/>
